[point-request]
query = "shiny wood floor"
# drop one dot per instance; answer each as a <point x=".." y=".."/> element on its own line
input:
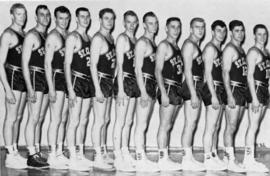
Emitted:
<point x="263" y="156"/>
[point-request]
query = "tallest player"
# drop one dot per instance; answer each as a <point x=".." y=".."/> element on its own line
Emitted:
<point x="13" y="82"/>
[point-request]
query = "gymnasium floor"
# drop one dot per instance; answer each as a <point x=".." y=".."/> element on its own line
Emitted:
<point x="263" y="156"/>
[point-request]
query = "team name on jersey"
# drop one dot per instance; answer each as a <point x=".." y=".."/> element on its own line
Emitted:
<point x="41" y="51"/>
<point x="152" y="57"/>
<point x="19" y="49"/>
<point x="241" y="63"/>
<point x="111" y="56"/>
<point x="130" y="54"/>
<point x="178" y="63"/>
<point x="84" y="52"/>
<point x="217" y="62"/>
<point x="265" y="65"/>
<point x="199" y="60"/>
<point x="62" y="52"/>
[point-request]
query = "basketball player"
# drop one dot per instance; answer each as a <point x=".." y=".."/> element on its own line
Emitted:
<point x="168" y="71"/>
<point x="80" y="87"/>
<point x="126" y="90"/>
<point x="54" y="69"/>
<point x="258" y="61"/>
<point x="192" y="90"/>
<point x="145" y="50"/>
<point x="33" y="55"/>
<point x="214" y="94"/>
<point x="235" y="82"/>
<point x="102" y="69"/>
<point x="13" y="83"/>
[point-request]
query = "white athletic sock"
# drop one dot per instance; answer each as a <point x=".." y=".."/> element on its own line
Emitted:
<point x="187" y="153"/>
<point x="59" y="149"/>
<point x="249" y="153"/>
<point x="140" y="155"/>
<point x="53" y="149"/>
<point x="163" y="153"/>
<point x="10" y="149"/>
<point x="37" y="145"/>
<point x="32" y="150"/>
<point x="230" y="153"/>
<point x="125" y="150"/>
<point x="117" y="154"/>
<point x="72" y="152"/>
<point x="15" y="147"/>
<point x="80" y="149"/>
<point x="207" y="156"/>
<point x="103" y="149"/>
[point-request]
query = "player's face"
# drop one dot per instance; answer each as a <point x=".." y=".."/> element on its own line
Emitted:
<point x="238" y="33"/>
<point x="174" y="29"/>
<point x="130" y="23"/>
<point x="84" y="19"/>
<point x="261" y="36"/>
<point x="107" y="21"/>
<point x="151" y="24"/>
<point x="19" y="16"/>
<point x="62" y="20"/>
<point x="43" y="17"/>
<point x="198" y="29"/>
<point x="219" y="33"/>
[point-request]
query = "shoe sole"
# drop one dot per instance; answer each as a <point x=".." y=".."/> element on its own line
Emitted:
<point x="103" y="169"/>
<point x="44" y="167"/>
<point x="20" y="168"/>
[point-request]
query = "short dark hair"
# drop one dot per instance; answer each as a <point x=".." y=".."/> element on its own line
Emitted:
<point x="259" y="26"/>
<point x="41" y="6"/>
<point x="130" y="13"/>
<point x="235" y="23"/>
<point x="106" y="10"/>
<point x="148" y="14"/>
<point x="169" y="20"/>
<point x="218" y="23"/>
<point x="61" y="9"/>
<point x="78" y="10"/>
<point x="16" y="6"/>
<point x="196" y="19"/>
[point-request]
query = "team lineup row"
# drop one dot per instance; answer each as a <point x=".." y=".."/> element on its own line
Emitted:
<point x="68" y="72"/>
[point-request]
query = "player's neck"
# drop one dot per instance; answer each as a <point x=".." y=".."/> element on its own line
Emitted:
<point x="41" y="28"/>
<point x="81" y="30"/>
<point x="260" y="46"/>
<point x="129" y="34"/>
<point x="171" y="40"/>
<point x="216" y="43"/>
<point x="236" y="43"/>
<point x="104" y="32"/>
<point x="150" y="36"/>
<point x="16" y="27"/>
<point x="61" y="31"/>
<point x="194" y="39"/>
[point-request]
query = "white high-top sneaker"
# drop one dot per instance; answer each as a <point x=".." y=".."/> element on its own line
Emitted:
<point x="13" y="162"/>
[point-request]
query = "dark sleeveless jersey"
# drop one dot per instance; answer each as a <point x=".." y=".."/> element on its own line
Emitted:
<point x="14" y="55"/>
<point x="128" y="63"/>
<point x="106" y="62"/>
<point x="173" y="67"/>
<point x="238" y="70"/>
<point x="81" y="59"/>
<point x="262" y="69"/>
<point x="217" y="67"/>
<point x="149" y="61"/>
<point x="38" y="55"/>
<point x="59" y="55"/>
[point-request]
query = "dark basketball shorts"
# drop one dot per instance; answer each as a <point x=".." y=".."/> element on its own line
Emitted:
<point x="220" y="92"/>
<point x="39" y="82"/>
<point x="151" y="87"/>
<point x="16" y="80"/>
<point x="83" y="86"/>
<point x="241" y="95"/>
<point x="106" y="84"/>
<point x="174" y="93"/>
<point x="59" y="81"/>
<point x="130" y="87"/>
<point x="262" y="94"/>
<point x="199" y="90"/>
